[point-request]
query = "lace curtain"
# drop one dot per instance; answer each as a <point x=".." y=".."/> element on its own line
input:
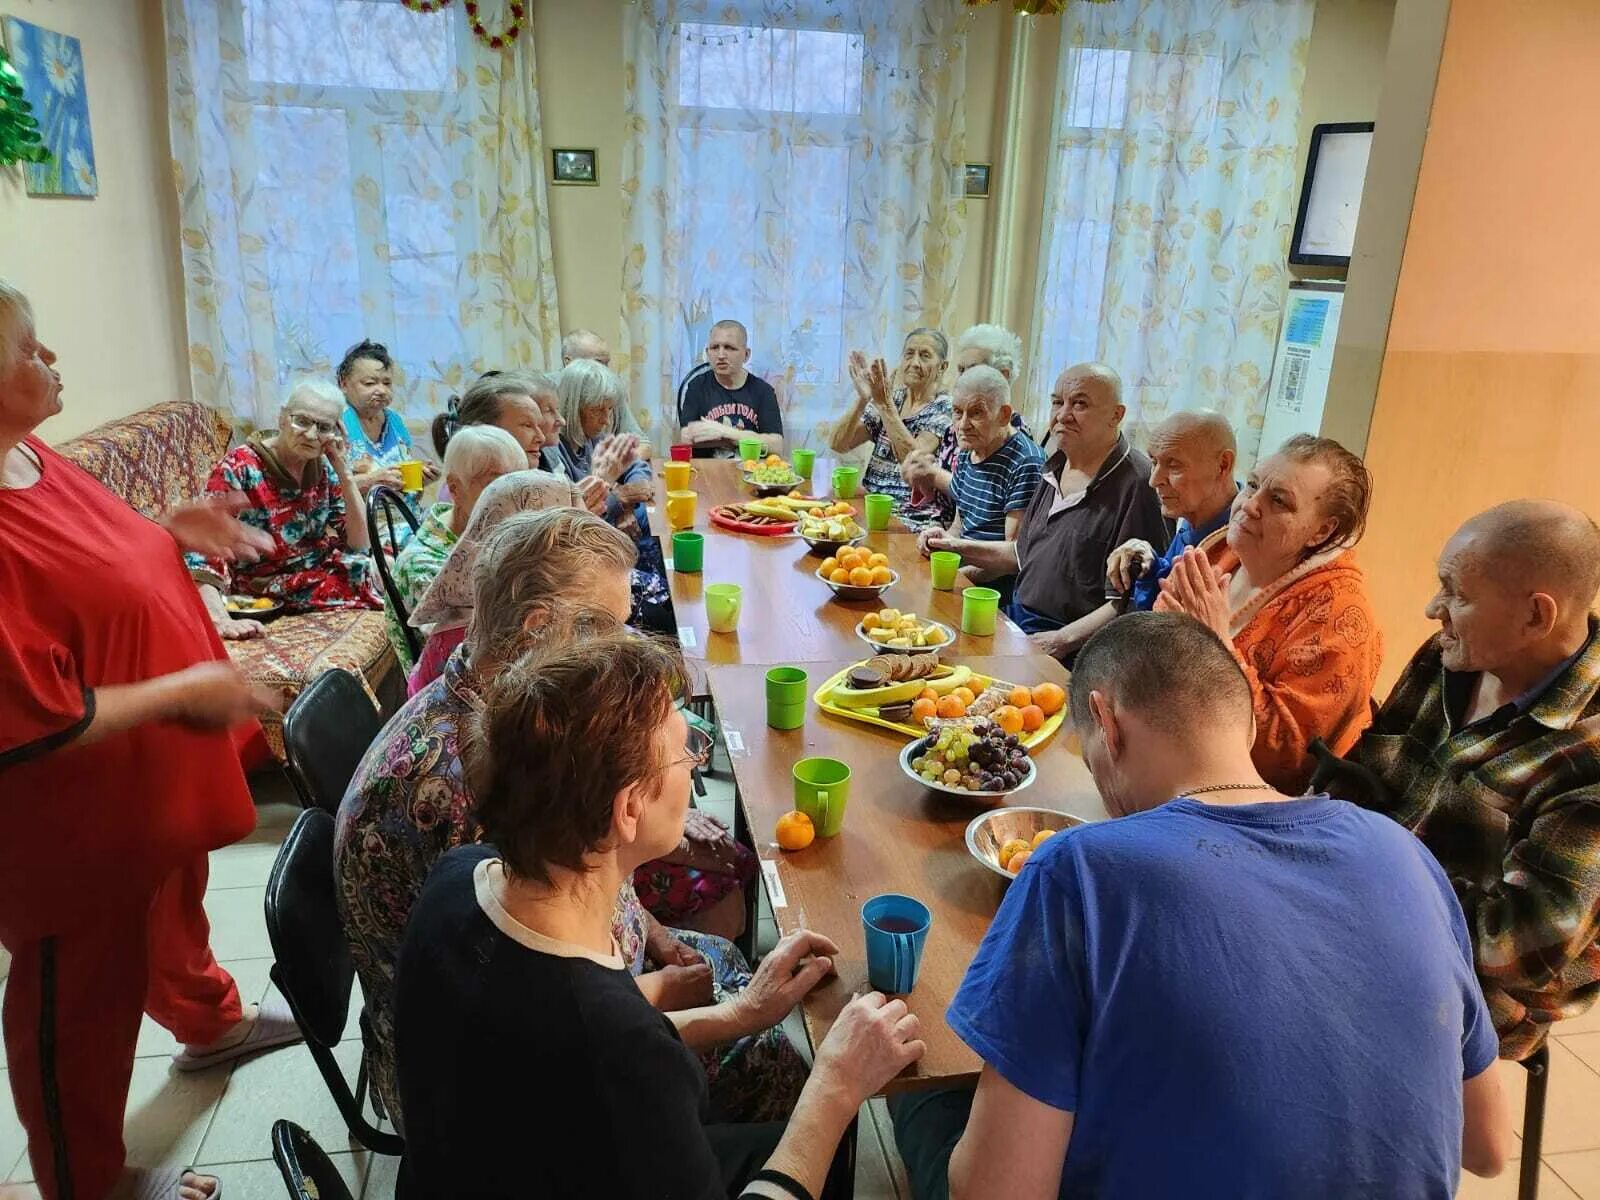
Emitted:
<point x="350" y="169"/>
<point x="790" y="165"/>
<point x="1167" y="205"/>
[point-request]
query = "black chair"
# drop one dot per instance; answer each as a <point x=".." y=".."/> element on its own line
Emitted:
<point x="1537" y="1065"/>
<point x="325" y="732"/>
<point x="307" y="1171"/>
<point x="312" y="966"/>
<point x="383" y="503"/>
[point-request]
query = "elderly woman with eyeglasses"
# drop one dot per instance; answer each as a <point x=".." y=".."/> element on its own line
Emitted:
<point x="299" y="489"/>
<point x="539" y="578"/>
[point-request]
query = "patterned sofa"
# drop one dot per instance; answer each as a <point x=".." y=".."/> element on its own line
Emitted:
<point x="162" y="456"/>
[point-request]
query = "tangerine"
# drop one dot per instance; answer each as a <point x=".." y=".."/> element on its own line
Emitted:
<point x="860" y="577"/>
<point x="839" y="575"/>
<point x="952" y="706"/>
<point x="1032" y="718"/>
<point x="774" y="461"/>
<point x="1040" y="837"/>
<point x="1049" y="697"/>
<point x="870" y="621"/>
<point x="880" y="574"/>
<point x="1020" y="697"/>
<point x="878" y="560"/>
<point x="795" y="831"/>
<point x="1009" y="718"/>
<point x="922" y="708"/>
<point x="1019" y="860"/>
<point x="1013" y="846"/>
<point x="827" y="568"/>
<point x="965" y="693"/>
<point x="928" y="694"/>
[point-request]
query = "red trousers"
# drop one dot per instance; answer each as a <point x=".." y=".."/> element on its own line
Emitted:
<point x="72" y="1011"/>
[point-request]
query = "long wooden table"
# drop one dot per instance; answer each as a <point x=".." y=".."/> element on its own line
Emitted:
<point x="789" y="615"/>
<point x="897" y="836"/>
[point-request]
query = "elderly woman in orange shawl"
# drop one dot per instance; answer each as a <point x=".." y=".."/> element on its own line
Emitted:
<point x="1281" y="585"/>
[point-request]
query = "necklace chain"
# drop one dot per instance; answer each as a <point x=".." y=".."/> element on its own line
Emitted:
<point x="1226" y="787"/>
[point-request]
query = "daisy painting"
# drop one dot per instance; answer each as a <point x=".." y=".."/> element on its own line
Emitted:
<point x="51" y="67"/>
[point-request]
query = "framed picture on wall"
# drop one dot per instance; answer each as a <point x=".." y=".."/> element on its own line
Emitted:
<point x="575" y="166"/>
<point x="977" y="180"/>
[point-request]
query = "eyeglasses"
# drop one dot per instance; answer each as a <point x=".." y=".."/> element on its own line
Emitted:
<point x="697" y="750"/>
<point x="309" y="424"/>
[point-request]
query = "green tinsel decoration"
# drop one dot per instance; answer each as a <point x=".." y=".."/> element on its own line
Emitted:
<point x="19" y="132"/>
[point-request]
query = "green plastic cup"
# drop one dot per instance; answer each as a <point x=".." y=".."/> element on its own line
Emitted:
<point x="723" y="601"/>
<point x="942" y="566"/>
<point x="688" y="551"/>
<point x="786" y="698"/>
<point x="979" y="608"/>
<point x="821" y="791"/>
<point x="804" y="462"/>
<point x="749" y="449"/>
<point x="879" y="509"/>
<point x="845" y="481"/>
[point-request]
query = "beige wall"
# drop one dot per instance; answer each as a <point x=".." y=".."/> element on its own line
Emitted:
<point x="1491" y="376"/>
<point x="103" y="273"/>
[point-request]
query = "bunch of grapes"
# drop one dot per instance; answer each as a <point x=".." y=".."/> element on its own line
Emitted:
<point x="984" y="758"/>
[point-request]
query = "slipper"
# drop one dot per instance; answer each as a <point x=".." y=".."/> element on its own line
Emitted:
<point x="274" y="1026"/>
<point x="158" y="1183"/>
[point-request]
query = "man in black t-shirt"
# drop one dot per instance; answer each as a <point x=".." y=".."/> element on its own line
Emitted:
<point x="719" y="401"/>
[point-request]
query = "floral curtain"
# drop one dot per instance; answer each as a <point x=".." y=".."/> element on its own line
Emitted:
<point x="790" y="164"/>
<point x="1167" y="205"/>
<point x="350" y="169"/>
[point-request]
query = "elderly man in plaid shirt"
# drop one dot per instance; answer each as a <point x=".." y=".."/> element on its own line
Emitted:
<point x="1489" y="750"/>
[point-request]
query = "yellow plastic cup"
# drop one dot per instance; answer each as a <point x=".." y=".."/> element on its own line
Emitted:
<point x="723" y="601"/>
<point x="680" y="509"/>
<point x="677" y="475"/>
<point x="410" y="475"/>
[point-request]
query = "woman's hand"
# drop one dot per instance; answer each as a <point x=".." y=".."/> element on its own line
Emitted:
<point x="662" y="947"/>
<point x="785" y="977"/>
<point x="212" y="528"/>
<point x="593" y="490"/>
<point x="214" y="695"/>
<point x="638" y="492"/>
<point x="873" y="1040"/>
<point x="675" y="988"/>
<point x="878" y="385"/>
<point x="611" y="458"/>
<point x="430" y="471"/>
<point x="856" y="364"/>
<point x="921" y="468"/>
<point x="243" y="630"/>
<point x="1193" y="586"/>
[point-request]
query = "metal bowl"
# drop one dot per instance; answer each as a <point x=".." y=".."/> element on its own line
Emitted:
<point x="916" y="747"/>
<point x="988" y="831"/>
<point x="772" y="489"/>
<point x="883" y="648"/>
<point x="851" y="591"/>
<point x="827" y="547"/>
<point x="244" y="608"/>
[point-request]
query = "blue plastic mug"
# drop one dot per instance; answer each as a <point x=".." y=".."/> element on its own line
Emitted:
<point x="895" y="927"/>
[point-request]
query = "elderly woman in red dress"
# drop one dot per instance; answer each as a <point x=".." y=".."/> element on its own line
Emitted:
<point x="117" y="776"/>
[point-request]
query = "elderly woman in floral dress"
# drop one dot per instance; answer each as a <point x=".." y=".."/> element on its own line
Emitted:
<point x="408" y="804"/>
<point x="299" y="489"/>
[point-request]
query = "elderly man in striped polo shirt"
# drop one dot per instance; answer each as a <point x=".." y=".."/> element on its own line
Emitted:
<point x="997" y="469"/>
<point x="1488" y="749"/>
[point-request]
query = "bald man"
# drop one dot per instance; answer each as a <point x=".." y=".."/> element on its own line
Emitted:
<point x="1094" y="495"/>
<point x="1488" y="749"/>
<point x="1192" y="455"/>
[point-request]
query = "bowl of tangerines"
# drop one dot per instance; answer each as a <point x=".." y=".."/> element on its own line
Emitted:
<point x="857" y="573"/>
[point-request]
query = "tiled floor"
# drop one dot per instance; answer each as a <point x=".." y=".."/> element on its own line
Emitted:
<point x="220" y="1119"/>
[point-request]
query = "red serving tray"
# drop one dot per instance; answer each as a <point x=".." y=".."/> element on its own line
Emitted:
<point x="780" y="530"/>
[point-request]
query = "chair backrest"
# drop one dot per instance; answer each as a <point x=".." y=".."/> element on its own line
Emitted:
<point x="325" y="732"/>
<point x="313" y="968"/>
<point x="382" y="504"/>
<point x="307" y="1171"/>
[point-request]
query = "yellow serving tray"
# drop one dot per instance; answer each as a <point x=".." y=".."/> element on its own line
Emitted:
<point x="1030" y="742"/>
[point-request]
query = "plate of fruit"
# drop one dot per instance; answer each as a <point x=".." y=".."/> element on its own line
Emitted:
<point x="1004" y="839"/>
<point x="857" y="574"/>
<point x="771" y="475"/>
<point x="902" y="633"/>
<point x="828" y="530"/>
<point x="979" y="760"/>
<point x="255" y="608"/>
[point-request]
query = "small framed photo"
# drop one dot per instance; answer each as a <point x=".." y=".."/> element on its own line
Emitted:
<point x="977" y="180"/>
<point x="575" y="166"/>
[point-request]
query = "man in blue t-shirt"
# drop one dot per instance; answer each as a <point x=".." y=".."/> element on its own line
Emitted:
<point x="1233" y="993"/>
<point x="719" y="402"/>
